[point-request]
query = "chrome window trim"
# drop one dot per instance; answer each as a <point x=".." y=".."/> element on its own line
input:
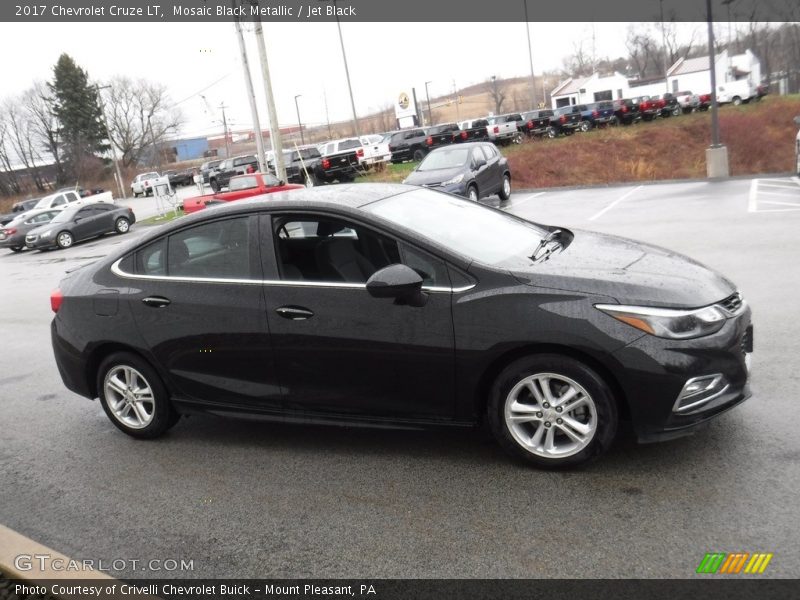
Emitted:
<point x="115" y="268"/>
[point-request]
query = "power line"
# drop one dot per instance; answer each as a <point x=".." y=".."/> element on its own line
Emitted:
<point x="198" y="92"/>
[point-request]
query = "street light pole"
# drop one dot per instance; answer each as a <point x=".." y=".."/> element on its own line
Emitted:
<point x="530" y="55"/>
<point x="347" y="75"/>
<point x="428" y="99"/>
<point x="299" y="122"/>
<point x="717" y="154"/>
<point x="251" y="97"/>
<point x="664" y="43"/>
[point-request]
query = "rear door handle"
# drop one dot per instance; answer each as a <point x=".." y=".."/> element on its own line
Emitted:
<point x="156" y="301"/>
<point x="294" y="313"/>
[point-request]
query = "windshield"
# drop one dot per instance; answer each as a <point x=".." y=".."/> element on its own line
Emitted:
<point x="446" y="158"/>
<point x="467" y="228"/>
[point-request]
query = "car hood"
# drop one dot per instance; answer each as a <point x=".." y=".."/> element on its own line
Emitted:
<point x="432" y="177"/>
<point x="630" y="272"/>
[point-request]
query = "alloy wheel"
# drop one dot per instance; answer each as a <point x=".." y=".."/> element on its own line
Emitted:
<point x="129" y="397"/>
<point x="550" y="415"/>
<point x="123" y="225"/>
<point x="473" y="194"/>
<point x="64" y="239"/>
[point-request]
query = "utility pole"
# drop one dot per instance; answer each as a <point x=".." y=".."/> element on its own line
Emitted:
<point x="455" y="98"/>
<point x="251" y="97"/>
<point x="110" y="141"/>
<point x="428" y="99"/>
<point x="299" y="122"/>
<point x="530" y="55"/>
<point x="327" y="117"/>
<point x="274" y="126"/>
<point x="155" y="147"/>
<point x="347" y="75"/>
<point x="222" y="107"/>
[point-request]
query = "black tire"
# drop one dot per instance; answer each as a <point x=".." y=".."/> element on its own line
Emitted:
<point x="164" y="416"/>
<point x="64" y="239"/>
<point x="310" y="180"/>
<point x="122" y="225"/>
<point x="17" y="248"/>
<point x="505" y="187"/>
<point x="600" y="396"/>
<point x="472" y="192"/>
<point x="737" y="100"/>
<point x="585" y="126"/>
<point x="517" y="139"/>
<point x="551" y="132"/>
<point x="677" y="112"/>
<point x="214" y="186"/>
<point x="419" y="154"/>
<point x="614" y="121"/>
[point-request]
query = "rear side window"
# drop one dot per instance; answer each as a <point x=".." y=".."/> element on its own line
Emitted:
<point x="151" y="260"/>
<point x="220" y="250"/>
<point x="242" y="183"/>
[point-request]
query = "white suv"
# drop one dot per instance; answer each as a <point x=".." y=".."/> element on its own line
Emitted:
<point x="142" y="184"/>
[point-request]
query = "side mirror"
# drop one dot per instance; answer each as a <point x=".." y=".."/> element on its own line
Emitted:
<point x="480" y="163"/>
<point x="77" y="219"/>
<point x="399" y="282"/>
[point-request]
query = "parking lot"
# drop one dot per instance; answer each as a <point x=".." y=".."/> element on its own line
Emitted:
<point x="247" y="499"/>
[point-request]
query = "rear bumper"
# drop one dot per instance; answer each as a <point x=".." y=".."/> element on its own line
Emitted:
<point x="12" y="241"/>
<point x="69" y="361"/>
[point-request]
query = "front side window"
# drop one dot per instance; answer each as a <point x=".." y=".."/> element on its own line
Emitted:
<point x="60" y="200"/>
<point x="327" y="250"/>
<point x="242" y="183"/>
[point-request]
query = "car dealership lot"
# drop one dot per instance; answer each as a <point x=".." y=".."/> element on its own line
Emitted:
<point x="245" y="498"/>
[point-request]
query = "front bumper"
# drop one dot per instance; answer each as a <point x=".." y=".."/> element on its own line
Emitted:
<point x="655" y="370"/>
<point x="39" y="242"/>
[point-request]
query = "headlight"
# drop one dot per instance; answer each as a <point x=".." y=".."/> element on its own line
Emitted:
<point x="667" y="322"/>
<point x="47" y="233"/>
<point x="457" y="179"/>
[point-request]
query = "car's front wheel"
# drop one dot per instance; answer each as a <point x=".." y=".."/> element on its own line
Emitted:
<point x="472" y="193"/>
<point x="552" y="411"/>
<point x="585" y="126"/>
<point x="505" y="188"/>
<point x="134" y="397"/>
<point x="64" y="239"/>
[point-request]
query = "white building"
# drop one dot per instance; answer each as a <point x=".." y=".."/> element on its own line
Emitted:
<point x="737" y="75"/>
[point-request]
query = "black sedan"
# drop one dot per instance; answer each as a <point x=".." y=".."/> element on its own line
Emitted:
<point x="12" y="234"/>
<point x="473" y="170"/>
<point x="80" y="223"/>
<point x="388" y="305"/>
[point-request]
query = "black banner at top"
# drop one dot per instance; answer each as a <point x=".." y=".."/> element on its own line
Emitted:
<point x="489" y="11"/>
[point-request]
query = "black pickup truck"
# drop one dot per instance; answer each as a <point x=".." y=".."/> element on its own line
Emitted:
<point x="626" y="111"/>
<point x="475" y="130"/>
<point x="410" y="144"/>
<point x="306" y="159"/>
<point x="536" y="122"/>
<point x="238" y="165"/>
<point x="441" y="135"/>
<point x="595" y="114"/>
<point x="564" y="121"/>
<point x="340" y="160"/>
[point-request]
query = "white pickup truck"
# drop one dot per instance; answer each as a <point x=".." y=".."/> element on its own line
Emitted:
<point x="142" y="184"/>
<point x="376" y="151"/>
<point x="62" y="200"/>
<point x="503" y="129"/>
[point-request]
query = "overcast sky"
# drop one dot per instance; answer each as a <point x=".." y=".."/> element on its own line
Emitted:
<point x="305" y="58"/>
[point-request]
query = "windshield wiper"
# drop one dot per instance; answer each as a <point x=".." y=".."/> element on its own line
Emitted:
<point x="550" y="237"/>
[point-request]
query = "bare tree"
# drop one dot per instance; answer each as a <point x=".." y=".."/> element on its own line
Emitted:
<point x="643" y="51"/>
<point x="9" y="184"/>
<point x="497" y="93"/>
<point x="39" y="104"/>
<point x="21" y="135"/>
<point x="133" y="109"/>
<point x="579" y="63"/>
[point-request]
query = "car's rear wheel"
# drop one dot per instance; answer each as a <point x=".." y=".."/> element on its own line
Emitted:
<point x="16" y="248"/>
<point x="134" y="397"/>
<point x="585" y="126"/>
<point x="472" y="193"/>
<point x="552" y="411"/>
<point x="64" y="239"/>
<point x="517" y="139"/>
<point x="551" y="132"/>
<point x="122" y="225"/>
<point x="310" y="180"/>
<point x="505" y="189"/>
<point x="419" y="154"/>
<point x="214" y="186"/>
<point x="737" y="100"/>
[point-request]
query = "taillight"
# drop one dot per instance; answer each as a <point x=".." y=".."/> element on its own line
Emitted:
<point x="56" y="298"/>
<point x="463" y="135"/>
<point x="429" y="141"/>
<point x="10" y="231"/>
<point x="624" y="108"/>
<point x="530" y="124"/>
<point x="662" y="103"/>
<point x="595" y="114"/>
<point x="360" y="153"/>
<point x="326" y="164"/>
<point x="563" y="118"/>
<point x="496" y="129"/>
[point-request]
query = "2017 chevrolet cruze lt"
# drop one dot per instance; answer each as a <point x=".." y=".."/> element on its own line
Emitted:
<point x="395" y="305"/>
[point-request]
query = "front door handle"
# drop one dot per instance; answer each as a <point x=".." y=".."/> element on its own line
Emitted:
<point x="294" y="313"/>
<point x="156" y="301"/>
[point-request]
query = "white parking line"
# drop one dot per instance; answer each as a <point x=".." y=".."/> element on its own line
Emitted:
<point x="529" y="197"/>
<point x="778" y="202"/>
<point x="752" y="201"/>
<point x="614" y="203"/>
<point x="789" y="193"/>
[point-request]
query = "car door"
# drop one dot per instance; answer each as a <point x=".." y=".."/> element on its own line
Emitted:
<point x="483" y="175"/>
<point x="84" y="223"/>
<point x="197" y="301"/>
<point x="493" y="166"/>
<point x="339" y="350"/>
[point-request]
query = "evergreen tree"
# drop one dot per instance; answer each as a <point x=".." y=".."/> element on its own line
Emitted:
<point x="78" y="112"/>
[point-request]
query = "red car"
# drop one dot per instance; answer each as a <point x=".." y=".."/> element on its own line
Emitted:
<point x="241" y="186"/>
